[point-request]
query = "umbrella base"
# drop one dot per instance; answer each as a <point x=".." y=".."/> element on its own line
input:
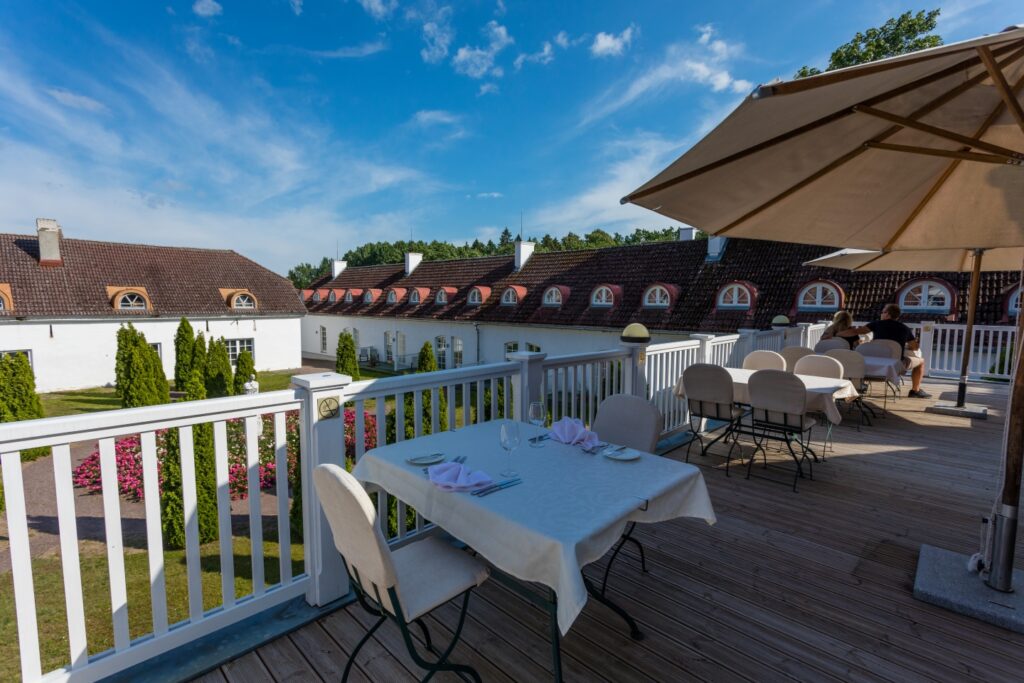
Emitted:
<point x="971" y="410"/>
<point x="942" y="579"/>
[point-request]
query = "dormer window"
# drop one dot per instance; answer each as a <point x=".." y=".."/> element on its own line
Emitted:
<point x="332" y="297"/>
<point x="552" y="296"/>
<point x="348" y="297"/>
<point x="1013" y="309"/>
<point x="368" y="297"/>
<point x="6" y="303"/>
<point x="602" y="297"/>
<point x="475" y="298"/>
<point x="131" y="301"/>
<point x="243" y="300"/>
<point x="657" y="296"/>
<point x="735" y="297"/>
<point x="392" y="297"/>
<point x="819" y="296"/>
<point x="510" y="297"/>
<point x="441" y="298"/>
<point x="927" y="296"/>
<point x="316" y="297"/>
<point x="414" y="297"/>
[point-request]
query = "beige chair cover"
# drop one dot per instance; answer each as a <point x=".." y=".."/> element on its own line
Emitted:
<point x="709" y="392"/>
<point x="819" y="366"/>
<point x="794" y="353"/>
<point x="779" y="398"/>
<point x="882" y="348"/>
<point x="627" y="420"/>
<point x="764" y="360"/>
<point x="853" y="364"/>
<point x="829" y="344"/>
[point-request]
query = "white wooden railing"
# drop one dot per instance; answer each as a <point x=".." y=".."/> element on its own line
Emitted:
<point x="574" y="385"/>
<point x="942" y="345"/>
<point x="663" y="367"/>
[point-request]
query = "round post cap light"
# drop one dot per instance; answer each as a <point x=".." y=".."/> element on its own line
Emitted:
<point x="780" y="320"/>
<point x="635" y="333"/>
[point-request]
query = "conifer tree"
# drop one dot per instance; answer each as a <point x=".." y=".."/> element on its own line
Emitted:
<point x="18" y="389"/>
<point x="219" y="379"/>
<point x="427" y="362"/>
<point x="199" y="355"/>
<point x="184" y="347"/>
<point x="125" y="340"/>
<point x="245" y="368"/>
<point x="345" y="357"/>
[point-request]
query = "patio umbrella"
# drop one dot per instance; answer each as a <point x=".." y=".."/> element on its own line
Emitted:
<point x="934" y="260"/>
<point x="920" y="151"/>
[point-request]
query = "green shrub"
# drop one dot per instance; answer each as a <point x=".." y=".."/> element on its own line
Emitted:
<point x="184" y="348"/>
<point x="345" y="357"/>
<point x="198" y="357"/>
<point x="244" y="369"/>
<point x="219" y="379"/>
<point x="139" y="373"/>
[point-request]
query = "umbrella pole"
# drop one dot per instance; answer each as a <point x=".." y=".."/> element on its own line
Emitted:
<point x="972" y="306"/>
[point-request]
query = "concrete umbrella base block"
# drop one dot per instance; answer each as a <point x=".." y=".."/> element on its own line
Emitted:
<point x="970" y="410"/>
<point x="942" y="579"/>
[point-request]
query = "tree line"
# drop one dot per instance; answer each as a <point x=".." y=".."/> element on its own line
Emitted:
<point x="375" y="253"/>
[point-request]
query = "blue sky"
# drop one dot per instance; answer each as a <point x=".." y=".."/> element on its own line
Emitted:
<point x="282" y="128"/>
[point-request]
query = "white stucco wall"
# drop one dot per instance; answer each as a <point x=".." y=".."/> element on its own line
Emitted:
<point x="554" y="341"/>
<point x="76" y="354"/>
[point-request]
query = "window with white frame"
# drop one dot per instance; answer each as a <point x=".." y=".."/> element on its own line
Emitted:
<point x="236" y="346"/>
<point x="3" y="304"/>
<point x="657" y="296"/>
<point x="392" y="296"/>
<point x="389" y="347"/>
<point x="25" y="352"/>
<point x="247" y="301"/>
<point x="368" y="297"/>
<point x="818" y="296"/>
<point x="510" y="297"/>
<point x="348" y="297"/>
<point x="441" y="351"/>
<point x="927" y="296"/>
<point x="414" y="297"/>
<point x="332" y="297"/>
<point x="131" y="301"/>
<point x="1014" y="308"/>
<point x="552" y="296"/>
<point x="456" y="352"/>
<point x="532" y="348"/>
<point x="323" y="339"/>
<point x="316" y="297"/>
<point x="602" y="297"/>
<point x="442" y="297"/>
<point x="159" y="348"/>
<point x="734" y="296"/>
<point x="475" y="298"/>
<point x="511" y="347"/>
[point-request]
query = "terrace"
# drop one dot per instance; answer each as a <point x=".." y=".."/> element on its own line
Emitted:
<point x="813" y="585"/>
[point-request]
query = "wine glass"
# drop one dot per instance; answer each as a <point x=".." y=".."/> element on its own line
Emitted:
<point x="537" y="417"/>
<point x="509" y="438"/>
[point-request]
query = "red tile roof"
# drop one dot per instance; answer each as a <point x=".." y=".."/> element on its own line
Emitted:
<point x="774" y="269"/>
<point x="178" y="281"/>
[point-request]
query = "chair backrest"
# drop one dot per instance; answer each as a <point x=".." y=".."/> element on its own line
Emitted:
<point x="764" y="360"/>
<point x="778" y="398"/>
<point x="853" y="363"/>
<point x="883" y="348"/>
<point x="829" y="344"/>
<point x="709" y="391"/>
<point x="794" y="353"/>
<point x="627" y="420"/>
<point x="819" y="366"/>
<point x="357" y="535"/>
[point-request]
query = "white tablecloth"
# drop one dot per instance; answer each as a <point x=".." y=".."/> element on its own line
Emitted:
<point x="822" y="392"/>
<point x="890" y="368"/>
<point x="569" y="511"/>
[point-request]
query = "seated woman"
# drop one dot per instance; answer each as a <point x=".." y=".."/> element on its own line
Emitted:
<point x="842" y="328"/>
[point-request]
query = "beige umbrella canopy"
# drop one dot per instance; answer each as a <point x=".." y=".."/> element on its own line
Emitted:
<point x="920" y="151"/>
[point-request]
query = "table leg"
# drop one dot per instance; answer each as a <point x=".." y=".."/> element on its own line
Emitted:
<point x="556" y="638"/>
<point x="634" y="630"/>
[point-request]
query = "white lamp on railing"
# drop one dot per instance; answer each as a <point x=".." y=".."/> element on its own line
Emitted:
<point x="636" y="337"/>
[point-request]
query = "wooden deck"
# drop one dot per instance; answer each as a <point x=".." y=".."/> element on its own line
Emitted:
<point x="808" y="586"/>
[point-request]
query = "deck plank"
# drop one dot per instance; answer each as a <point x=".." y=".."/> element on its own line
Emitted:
<point x="811" y="586"/>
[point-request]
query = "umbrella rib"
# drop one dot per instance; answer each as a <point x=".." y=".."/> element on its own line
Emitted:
<point x="963" y="155"/>
<point x="999" y="80"/>
<point x="939" y="132"/>
<point x="1018" y="52"/>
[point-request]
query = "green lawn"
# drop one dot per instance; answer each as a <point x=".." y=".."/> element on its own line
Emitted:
<point x="59" y="403"/>
<point x="50" y="606"/>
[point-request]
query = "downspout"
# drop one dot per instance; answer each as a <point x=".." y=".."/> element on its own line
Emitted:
<point x="476" y="328"/>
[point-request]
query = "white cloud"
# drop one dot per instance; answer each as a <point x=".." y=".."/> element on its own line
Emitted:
<point x="207" y="8"/>
<point x="432" y="117"/>
<point x="478" y="62"/>
<point x="379" y="9"/>
<point x="438" y="34"/>
<point x="74" y="100"/>
<point x="611" y="45"/>
<point x="562" y="40"/>
<point x="296" y="6"/>
<point x="703" y="62"/>
<point x="488" y="89"/>
<point x="500" y="9"/>
<point x="349" y="51"/>
<point x="489" y="195"/>
<point x="544" y="56"/>
<point x="441" y="127"/>
<point x="487" y="232"/>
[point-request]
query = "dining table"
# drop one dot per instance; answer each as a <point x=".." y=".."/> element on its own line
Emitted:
<point x="891" y="369"/>
<point x="570" y="508"/>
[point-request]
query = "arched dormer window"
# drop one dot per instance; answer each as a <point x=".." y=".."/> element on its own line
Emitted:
<point x="316" y="297"/>
<point x="131" y="301"/>
<point x="819" y="296"/>
<point x="602" y="297"/>
<point x="368" y="297"/>
<point x="6" y="303"/>
<point x="510" y="297"/>
<point x="441" y="298"/>
<point x="926" y="296"/>
<point x="657" y="296"/>
<point x="244" y="301"/>
<point x="1013" y="309"/>
<point x="332" y="297"/>
<point x="392" y="296"/>
<point x="414" y="296"/>
<point x="348" y="297"/>
<point x="735" y="296"/>
<point x="552" y="296"/>
<point x="474" y="298"/>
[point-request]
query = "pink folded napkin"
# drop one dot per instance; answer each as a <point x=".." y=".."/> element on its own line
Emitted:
<point x="451" y="476"/>
<point x="570" y="430"/>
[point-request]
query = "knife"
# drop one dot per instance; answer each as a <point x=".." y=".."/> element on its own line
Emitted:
<point x="502" y="487"/>
<point x="495" y="485"/>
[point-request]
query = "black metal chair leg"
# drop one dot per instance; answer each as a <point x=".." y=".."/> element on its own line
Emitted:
<point x="366" y="637"/>
<point x="426" y="634"/>
<point x="442" y="664"/>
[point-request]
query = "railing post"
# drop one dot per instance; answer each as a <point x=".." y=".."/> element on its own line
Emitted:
<point x="704" y="352"/>
<point x="805" y="334"/>
<point x="745" y="343"/>
<point x="527" y="384"/>
<point x="322" y="440"/>
<point x="927" y="344"/>
<point x="634" y="375"/>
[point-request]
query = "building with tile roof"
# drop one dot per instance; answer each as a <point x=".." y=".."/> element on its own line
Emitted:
<point x="486" y="306"/>
<point x="62" y="300"/>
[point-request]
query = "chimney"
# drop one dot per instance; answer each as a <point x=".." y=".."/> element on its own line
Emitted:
<point x="412" y="259"/>
<point x="337" y="267"/>
<point x="524" y="250"/>
<point x="716" y="248"/>
<point x="49" y="242"/>
<point x="687" y="234"/>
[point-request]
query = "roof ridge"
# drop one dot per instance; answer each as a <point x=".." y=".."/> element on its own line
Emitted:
<point x="126" y="244"/>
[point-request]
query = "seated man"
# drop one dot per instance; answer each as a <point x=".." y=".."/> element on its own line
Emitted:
<point x="890" y="327"/>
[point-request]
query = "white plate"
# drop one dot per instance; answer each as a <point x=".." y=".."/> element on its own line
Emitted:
<point x="431" y="459"/>
<point x="624" y="455"/>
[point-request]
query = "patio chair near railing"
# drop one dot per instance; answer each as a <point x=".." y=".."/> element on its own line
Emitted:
<point x="764" y="360"/>
<point x="853" y="370"/>
<point x="403" y="585"/>
<point x="709" y="396"/>
<point x="777" y="402"/>
<point x="792" y="354"/>
<point x="821" y="366"/>
<point x="883" y="348"/>
<point x="826" y="345"/>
